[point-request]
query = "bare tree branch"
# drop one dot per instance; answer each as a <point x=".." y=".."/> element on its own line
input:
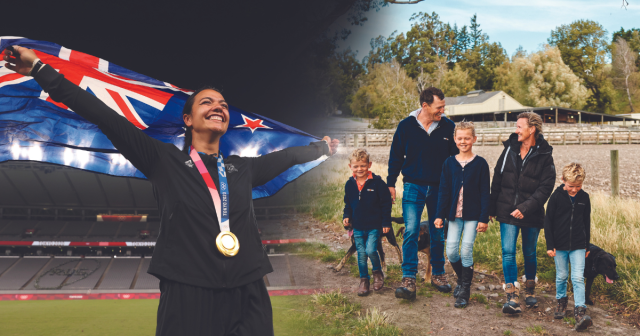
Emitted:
<point x="408" y="2"/>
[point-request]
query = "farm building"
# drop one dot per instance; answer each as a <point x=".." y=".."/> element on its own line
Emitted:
<point x="500" y="108"/>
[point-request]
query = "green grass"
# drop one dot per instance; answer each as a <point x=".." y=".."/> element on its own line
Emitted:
<point x="480" y="298"/>
<point x="507" y="333"/>
<point x="325" y="314"/>
<point x="537" y="329"/>
<point x="570" y="320"/>
<point x="90" y="317"/>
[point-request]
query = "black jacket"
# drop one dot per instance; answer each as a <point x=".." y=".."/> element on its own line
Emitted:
<point x="526" y="189"/>
<point x="186" y="251"/>
<point x="370" y="208"/>
<point x="567" y="226"/>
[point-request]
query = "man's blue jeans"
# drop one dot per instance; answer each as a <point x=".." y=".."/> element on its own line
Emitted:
<point x="367" y="246"/>
<point x="509" y="236"/>
<point x="577" y="260"/>
<point x="414" y="199"/>
<point x="455" y="238"/>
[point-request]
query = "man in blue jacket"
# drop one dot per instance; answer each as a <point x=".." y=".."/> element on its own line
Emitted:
<point x="421" y="144"/>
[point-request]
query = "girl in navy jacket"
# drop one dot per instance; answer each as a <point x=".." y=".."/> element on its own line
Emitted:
<point x="463" y="199"/>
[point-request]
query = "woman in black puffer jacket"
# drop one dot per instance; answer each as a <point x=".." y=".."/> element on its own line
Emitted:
<point x="523" y="180"/>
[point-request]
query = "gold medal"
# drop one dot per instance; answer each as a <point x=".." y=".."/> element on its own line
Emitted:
<point x="227" y="244"/>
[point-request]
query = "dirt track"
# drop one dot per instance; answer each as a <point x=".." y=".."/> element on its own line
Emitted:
<point x="595" y="159"/>
<point x="436" y="314"/>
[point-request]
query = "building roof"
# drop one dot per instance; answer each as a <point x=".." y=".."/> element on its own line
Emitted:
<point x="473" y="97"/>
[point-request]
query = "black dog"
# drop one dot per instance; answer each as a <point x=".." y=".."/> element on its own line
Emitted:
<point x="424" y="246"/>
<point x="598" y="262"/>
<point x="391" y="238"/>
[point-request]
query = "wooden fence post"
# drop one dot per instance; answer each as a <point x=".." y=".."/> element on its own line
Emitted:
<point x="355" y="140"/>
<point x="386" y="138"/>
<point x="615" y="186"/>
<point x="580" y="135"/>
<point x="597" y="137"/>
<point x="366" y="139"/>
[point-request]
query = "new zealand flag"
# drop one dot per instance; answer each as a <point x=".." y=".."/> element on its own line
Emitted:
<point x="34" y="127"/>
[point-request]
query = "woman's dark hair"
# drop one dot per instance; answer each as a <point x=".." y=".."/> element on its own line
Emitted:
<point x="426" y="96"/>
<point x="186" y="109"/>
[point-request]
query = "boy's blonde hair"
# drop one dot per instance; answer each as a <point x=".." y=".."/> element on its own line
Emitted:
<point x="359" y="155"/>
<point x="465" y="125"/>
<point x="573" y="173"/>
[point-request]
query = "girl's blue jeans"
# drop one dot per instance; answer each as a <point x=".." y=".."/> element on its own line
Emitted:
<point x="509" y="236"/>
<point x="577" y="260"/>
<point x="367" y="246"/>
<point x="463" y="233"/>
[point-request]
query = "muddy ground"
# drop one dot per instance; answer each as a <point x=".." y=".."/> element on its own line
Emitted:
<point x="434" y="313"/>
<point x="595" y="159"/>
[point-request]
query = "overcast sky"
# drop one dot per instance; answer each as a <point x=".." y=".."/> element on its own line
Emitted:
<point x="512" y="23"/>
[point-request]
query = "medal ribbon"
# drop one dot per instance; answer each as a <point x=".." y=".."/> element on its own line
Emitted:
<point x="221" y="205"/>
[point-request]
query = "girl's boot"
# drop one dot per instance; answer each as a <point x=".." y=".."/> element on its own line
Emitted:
<point x="465" y="292"/>
<point x="457" y="267"/>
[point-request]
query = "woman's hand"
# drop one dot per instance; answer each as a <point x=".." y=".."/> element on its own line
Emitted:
<point x="20" y="60"/>
<point x="482" y="227"/>
<point x="517" y="214"/>
<point x="438" y="223"/>
<point x="333" y="144"/>
<point x="553" y="253"/>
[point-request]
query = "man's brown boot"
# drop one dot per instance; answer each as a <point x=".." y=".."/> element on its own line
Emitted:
<point x="407" y="290"/>
<point x="583" y="321"/>
<point x="363" y="290"/>
<point x="378" y="280"/>
<point x="441" y="283"/>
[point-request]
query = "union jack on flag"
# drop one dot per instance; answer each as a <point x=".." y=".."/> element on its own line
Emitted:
<point x="35" y="128"/>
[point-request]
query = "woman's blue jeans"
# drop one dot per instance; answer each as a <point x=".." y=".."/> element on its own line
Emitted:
<point x="367" y="246"/>
<point x="577" y="260"/>
<point x="467" y="230"/>
<point x="509" y="236"/>
<point x="414" y="199"/>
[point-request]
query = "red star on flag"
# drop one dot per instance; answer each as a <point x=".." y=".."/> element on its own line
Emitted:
<point x="252" y="124"/>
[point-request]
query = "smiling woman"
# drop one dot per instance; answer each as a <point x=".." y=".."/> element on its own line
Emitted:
<point x="208" y="256"/>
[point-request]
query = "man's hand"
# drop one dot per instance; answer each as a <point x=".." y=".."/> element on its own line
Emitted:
<point x="587" y="255"/>
<point x="20" y="61"/>
<point x="438" y="223"/>
<point x="345" y="223"/>
<point x="333" y="144"/>
<point x="517" y="214"/>
<point x="553" y="253"/>
<point x="392" y="190"/>
<point x="387" y="229"/>
<point x="482" y="227"/>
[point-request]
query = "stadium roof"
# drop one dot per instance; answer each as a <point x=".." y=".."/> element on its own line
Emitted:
<point x="28" y="184"/>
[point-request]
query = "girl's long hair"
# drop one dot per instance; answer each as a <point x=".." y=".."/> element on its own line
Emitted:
<point x="188" y="106"/>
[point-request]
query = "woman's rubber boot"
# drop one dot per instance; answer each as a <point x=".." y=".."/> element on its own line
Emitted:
<point x="512" y="306"/>
<point x="561" y="309"/>
<point x="530" y="300"/>
<point x="363" y="289"/>
<point x="583" y="321"/>
<point x="457" y="267"/>
<point x="465" y="292"/>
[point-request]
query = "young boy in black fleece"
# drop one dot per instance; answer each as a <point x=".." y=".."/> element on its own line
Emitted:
<point x="567" y="228"/>
<point x="367" y="209"/>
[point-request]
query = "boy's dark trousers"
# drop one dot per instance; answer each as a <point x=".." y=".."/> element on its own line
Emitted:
<point x="195" y="311"/>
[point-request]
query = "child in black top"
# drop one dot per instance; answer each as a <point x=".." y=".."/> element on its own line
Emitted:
<point x="367" y="209"/>
<point x="567" y="229"/>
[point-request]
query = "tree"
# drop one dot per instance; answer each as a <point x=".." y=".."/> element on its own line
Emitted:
<point x="632" y="36"/>
<point x="386" y="93"/>
<point x="584" y="49"/>
<point x="456" y="82"/>
<point x="542" y="79"/>
<point x="423" y="49"/>
<point x="624" y="64"/>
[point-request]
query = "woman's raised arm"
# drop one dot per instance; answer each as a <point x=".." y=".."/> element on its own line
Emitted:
<point x="140" y="149"/>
